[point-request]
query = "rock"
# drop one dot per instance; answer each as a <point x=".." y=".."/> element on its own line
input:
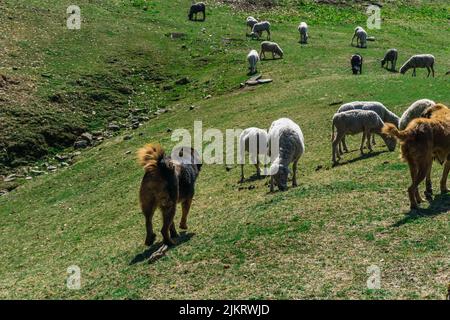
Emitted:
<point x="125" y="90"/>
<point x="10" y="178"/>
<point x="182" y="81"/>
<point x="51" y="168"/>
<point x="113" y="127"/>
<point x="75" y="154"/>
<point x="135" y="125"/>
<point x="128" y="137"/>
<point x="3" y="192"/>
<point x="191" y="107"/>
<point x="320" y="167"/>
<point x="160" y="111"/>
<point x="64" y="164"/>
<point x="61" y="157"/>
<point x="87" y="137"/>
<point x="29" y="178"/>
<point x="128" y="152"/>
<point x="177" y="35"/>
<point x="169" y="130"/>
<point x="167" y="87"/>
<point x="36" y="172"/>
<point x="80" y="144"/>
<point x="208" y="96"/>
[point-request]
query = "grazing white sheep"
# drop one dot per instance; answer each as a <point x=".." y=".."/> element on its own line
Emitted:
<point x="390" y="56"/>
<point x="286" y="146"/>
<point x="254" y="141"/>
<point x="273" y="47"/>
<point x="384" y="113"/>
<point x="357" y="63"/>
<point x="251" y="22"/>
<point x="419" y="61"/>
<point x="197" y="8"/>
<point x="414" y="111"/>
<point x="355" y="34"/>
<point x="259" y="27"/>
<point x="303" y="29"/>
<point x="361" y="38"/>
<point x="354" y="122"/>
<point x="253" y="58"/>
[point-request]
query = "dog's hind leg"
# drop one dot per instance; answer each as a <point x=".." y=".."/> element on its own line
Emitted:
<point x="444" y="188"/>
<point x="186" y="205"/>
<point x="148" y="209"/>
<point x="429" y="186"/>
<point x="168" y="215"/>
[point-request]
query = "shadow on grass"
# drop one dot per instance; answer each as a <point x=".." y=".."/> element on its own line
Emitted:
<point x="361" y="157"/>
<point x="154" y="248"/>
<point x="440" y="204"/>
<point x="253" y="178"/>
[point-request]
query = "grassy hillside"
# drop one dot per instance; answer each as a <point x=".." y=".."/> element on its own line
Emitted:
<point x="313" y="241"/>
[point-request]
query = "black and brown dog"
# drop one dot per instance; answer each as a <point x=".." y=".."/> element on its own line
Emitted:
<point x="167" y="181"/>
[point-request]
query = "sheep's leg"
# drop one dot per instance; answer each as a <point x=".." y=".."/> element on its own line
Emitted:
<point x="335" y="144"/>
<point x="344" y="144"/>
<point x="268" y="34"/>
<point x="294" y="177"/>
<point x="414" y="72"/>
<point x="429" y="72"/>
<point x="273" y="55"/>
<point x="242" y="173"/>
<point x="369" y="145"/>
<point x="340" y="148"/>
<point x="432" y="69"/>
<point x="258" y="174"/>
<point x="373" y="139"/>
<point x="262" y="54"/>
<point x="271" y="184"/>
<point x="361" y="148"/>
<point x="444" y="188"/>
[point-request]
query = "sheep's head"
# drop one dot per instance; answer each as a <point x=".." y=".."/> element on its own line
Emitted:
<point x="403" y="70"/>
<point x="390" y="142"/>
<point x="279" y="175"/>
<point x="355" y="69"/>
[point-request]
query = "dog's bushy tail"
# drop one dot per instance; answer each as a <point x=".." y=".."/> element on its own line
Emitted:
<point x="390" y="130"/>
<point x="151" y="156"/>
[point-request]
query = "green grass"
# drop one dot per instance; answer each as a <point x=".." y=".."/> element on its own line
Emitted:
<point x="313" y="241"/>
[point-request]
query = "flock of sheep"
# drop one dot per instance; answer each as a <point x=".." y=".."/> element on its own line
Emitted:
<point x="366" y="117"/>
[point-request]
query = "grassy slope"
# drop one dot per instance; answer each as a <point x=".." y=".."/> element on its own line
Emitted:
<point x="314" y="241"/>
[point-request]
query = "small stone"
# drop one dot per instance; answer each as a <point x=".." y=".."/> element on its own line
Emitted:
<point x="128" y="137"/>
<point x="128" y="152"/>
<point x="208" y="96"/>
<point x="52" y="168"/>
<point x="169" y="130"/>
<point x="64" y="164"/>
<point x="3" y="192"/>
<point x="113" y="127"/>
<point x="10" y="178"/>
<point x="86" y="137"/>
<point x="61" y="157"/>
<point x="182" y="81"/>
<point x="29" y="178"/>
<point x="36" y="172"/>
<point x="81" y="144"/>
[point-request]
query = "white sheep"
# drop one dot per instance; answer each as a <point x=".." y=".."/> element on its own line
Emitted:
<point x="414" y="111"/>
<point x="355" y="34"/>
<point x="259" y="27"/>
<point x="361" y="38"/>
<point x="251" y="22"/>
<point x="273" y="47"/>
<point x="254" y="141"/>
<point x="253" y="58"/>
<point x="303" y="29"/>
<point x="390" y="56"/>
<point x="286" y="146"/>
<point x="419" y="61"/>
<point x="354" y="122"/>
<point x="384" y="113"/>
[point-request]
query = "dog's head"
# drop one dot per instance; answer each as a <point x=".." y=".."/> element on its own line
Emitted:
<point x="434" y="109"/>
